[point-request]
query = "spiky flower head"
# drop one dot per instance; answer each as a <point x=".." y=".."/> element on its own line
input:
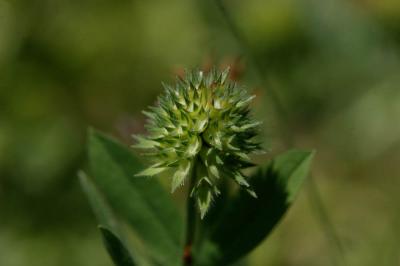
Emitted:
<point x="202" y="125"/>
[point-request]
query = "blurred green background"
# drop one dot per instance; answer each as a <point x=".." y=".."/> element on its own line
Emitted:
<point x="334" y="65"/>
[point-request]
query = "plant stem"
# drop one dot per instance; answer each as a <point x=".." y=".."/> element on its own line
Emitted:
<point x="190" y="220"/>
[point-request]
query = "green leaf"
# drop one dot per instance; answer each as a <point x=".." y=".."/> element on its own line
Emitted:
<point x="119" y="254"/>
<point x="106" y="218"/>
<point x="246" y="221"/>
<point x="142" y="202"/>
<point x="98" y="203"/>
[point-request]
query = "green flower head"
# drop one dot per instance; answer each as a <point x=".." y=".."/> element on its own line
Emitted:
<point x="202" y="125"/>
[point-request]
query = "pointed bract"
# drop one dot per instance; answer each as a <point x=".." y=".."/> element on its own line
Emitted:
<point x="180" y="175"/>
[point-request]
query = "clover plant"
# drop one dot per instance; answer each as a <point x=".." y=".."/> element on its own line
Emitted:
<point x="201" y="133"/>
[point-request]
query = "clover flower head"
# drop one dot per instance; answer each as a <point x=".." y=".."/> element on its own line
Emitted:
<point x="202" y="125"/>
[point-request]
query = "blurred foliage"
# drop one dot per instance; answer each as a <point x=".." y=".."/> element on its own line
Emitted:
<point x="67" y="64"/>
